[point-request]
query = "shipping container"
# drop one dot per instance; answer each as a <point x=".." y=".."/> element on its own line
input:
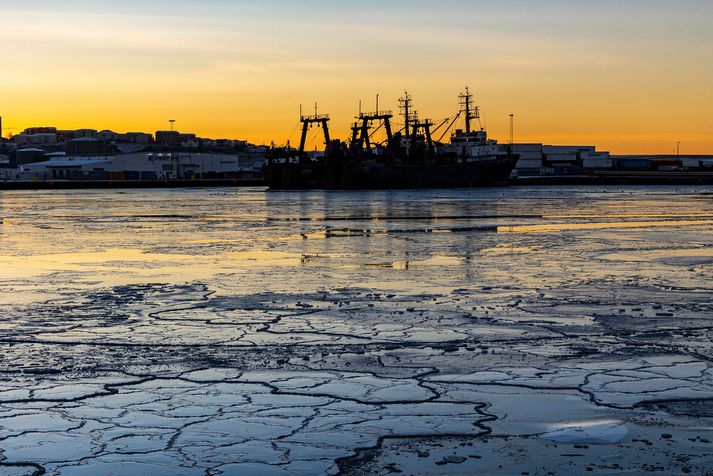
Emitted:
<point x="528" y="163"/>
<point x="594" y="155"/>
<point x="527" y="172"/>
<point x="664" y="162"/>
<point x="597" y="163"/>
<point x="530" y="155"/>
<point x="567" y="149"/>
<point x="562" y="170"/>
<point x="691" y="163"/>
<point x="634" y="164"/>
<point x="561" y="157"/>
<point x="520" y="148"/>
<point x="559" y="149"/>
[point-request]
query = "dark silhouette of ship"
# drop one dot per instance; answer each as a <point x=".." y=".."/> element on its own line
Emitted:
<point x="407" y="158"/>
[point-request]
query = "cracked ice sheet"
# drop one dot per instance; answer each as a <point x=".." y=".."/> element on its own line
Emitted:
<point x="189" y="425"/>
<point x="179" y="332"/>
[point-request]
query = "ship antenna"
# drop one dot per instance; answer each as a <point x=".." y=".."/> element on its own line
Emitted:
<point x="405" y="105"/>
<point x="466" y="103"/>
<point x="512" y="129"/>
<point x="468" y="97"/>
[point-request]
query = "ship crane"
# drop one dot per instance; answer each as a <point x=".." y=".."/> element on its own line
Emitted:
<point x="361" y="138"/>
<point x="320" y="120"/>
<point x="378" y="128"/>
<point x="424" y="126"/>
<point x="452" y="121"/>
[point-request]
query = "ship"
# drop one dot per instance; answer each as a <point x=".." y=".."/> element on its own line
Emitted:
<point x="408" y="158"/>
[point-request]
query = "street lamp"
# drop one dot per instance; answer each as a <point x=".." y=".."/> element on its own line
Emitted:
<point x="512" y="129"/>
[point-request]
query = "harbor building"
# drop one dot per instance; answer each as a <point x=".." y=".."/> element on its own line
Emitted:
<point x="107" y="136"/>
<point x="46" y="154"/>
<point x="86" y="147"/>
<point x="28" y="156"/>
<point x="172" y="138"/>
<point x="136" y="166"/>
<point x="40" y="130"/>
<point x="88" y="133"/>
<point x="35" y="138"/>
<point x="135" y="138"/>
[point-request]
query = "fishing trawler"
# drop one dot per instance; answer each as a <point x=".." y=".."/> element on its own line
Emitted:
<point x="407" y="158"/>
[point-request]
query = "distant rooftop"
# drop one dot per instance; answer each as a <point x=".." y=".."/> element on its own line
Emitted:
<point x="68" y="163"/>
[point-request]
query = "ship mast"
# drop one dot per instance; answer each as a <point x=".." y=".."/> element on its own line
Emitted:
<point x="405" y="107"/>
<point x="467" y="107"/>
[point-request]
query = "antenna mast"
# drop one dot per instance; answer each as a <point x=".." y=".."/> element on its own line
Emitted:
<point x="467" y="106"/>
<point x="405" y="106"/>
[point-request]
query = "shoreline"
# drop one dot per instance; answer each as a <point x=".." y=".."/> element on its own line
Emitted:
<point x="114" y="184"/>
<point x="599" y="178"/>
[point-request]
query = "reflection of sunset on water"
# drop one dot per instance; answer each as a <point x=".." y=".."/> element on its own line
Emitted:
<point x="244" y="328"/>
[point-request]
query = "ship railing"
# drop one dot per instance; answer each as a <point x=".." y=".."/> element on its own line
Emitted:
<point x="315" y="117"/>
<point x="362" y="115"/>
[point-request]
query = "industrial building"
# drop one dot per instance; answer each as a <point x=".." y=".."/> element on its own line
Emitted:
<point x="540" y="163"/>
<point x="136" y="166"/>
<point x="86" y="147"/>
<point x="539" y="159"/>
<point x="135" y="138"/>
<point x="39" y="138"/>
<point x="172" y="138"/>
<point x="46" y="154"/>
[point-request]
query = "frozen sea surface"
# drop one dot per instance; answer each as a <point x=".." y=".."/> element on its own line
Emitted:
<point x="236" y="331"/>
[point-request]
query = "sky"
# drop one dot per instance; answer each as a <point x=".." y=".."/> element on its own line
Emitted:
<point x="629" y="76"/>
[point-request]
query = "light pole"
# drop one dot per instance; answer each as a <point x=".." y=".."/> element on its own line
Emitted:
<point x="171" y="146"/>
<point x="678" y="149"/>
<point x="512" y="129"/>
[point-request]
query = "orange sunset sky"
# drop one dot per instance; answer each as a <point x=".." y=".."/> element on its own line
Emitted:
<point x="630" y="76"/>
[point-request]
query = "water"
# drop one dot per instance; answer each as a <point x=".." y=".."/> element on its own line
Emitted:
<point x="239" y="331"/>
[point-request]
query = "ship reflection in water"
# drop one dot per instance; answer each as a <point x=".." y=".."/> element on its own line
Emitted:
<point x="273" y="332"/>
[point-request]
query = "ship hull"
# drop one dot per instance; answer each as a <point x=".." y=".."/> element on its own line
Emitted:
<point x="353" y="175"/>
